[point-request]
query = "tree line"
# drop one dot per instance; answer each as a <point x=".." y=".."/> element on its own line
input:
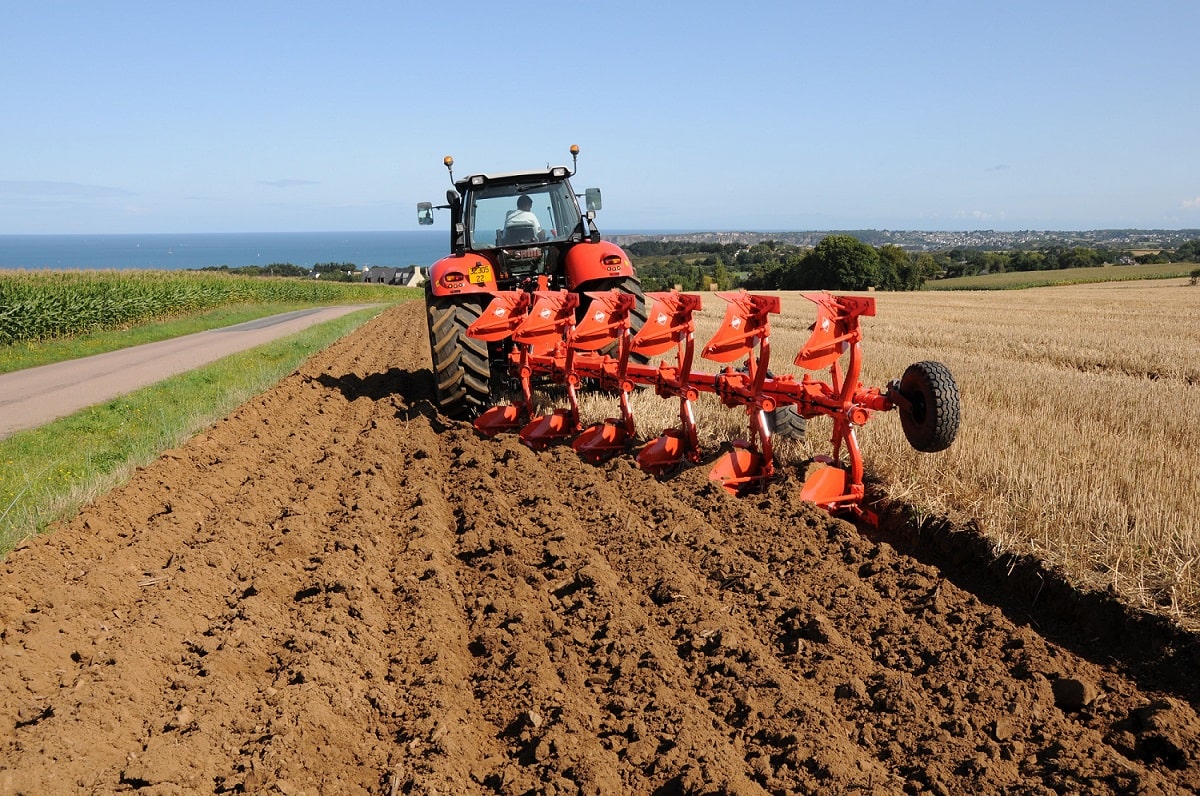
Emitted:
<point x="837" y="262"/>
<point x="329" y="272"/>
<point x="842" y="262"/>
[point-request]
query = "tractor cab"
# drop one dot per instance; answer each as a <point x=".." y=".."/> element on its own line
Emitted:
<point x="523" y="209"/>
<point x="496" y="211"/>
<point x="523" y="221"/>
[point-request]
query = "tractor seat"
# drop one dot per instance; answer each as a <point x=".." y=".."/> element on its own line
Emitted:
<point x="518" y="233"/>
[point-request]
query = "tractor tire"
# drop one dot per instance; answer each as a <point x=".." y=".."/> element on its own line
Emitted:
<point x="930" y="423"/>
<point x="461" y="367"/>
<point x="637" y="315"/>
<point x="786" y="423"/>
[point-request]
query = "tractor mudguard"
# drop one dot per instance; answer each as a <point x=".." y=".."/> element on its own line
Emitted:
<point x="587" y="261"/>
<point x="463" y="273"/>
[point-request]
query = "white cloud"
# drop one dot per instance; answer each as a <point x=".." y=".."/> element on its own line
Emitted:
<point x="1191" y="204"/>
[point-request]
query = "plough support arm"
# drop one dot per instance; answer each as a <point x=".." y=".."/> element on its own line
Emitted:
<point x="549" y="344"/>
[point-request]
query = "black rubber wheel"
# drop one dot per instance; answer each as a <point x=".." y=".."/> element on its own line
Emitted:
<point x="461" y="368"/>
<point x="786" y="423"/>
<point x="930" y="422"/>
<point x="637" y="316"/>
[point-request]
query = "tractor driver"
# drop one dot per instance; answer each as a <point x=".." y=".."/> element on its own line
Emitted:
<point x="523" y="216"/>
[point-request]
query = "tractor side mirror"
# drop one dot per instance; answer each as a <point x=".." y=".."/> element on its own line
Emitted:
<point x="425" y="213"/>
<point x="592" y="199"/>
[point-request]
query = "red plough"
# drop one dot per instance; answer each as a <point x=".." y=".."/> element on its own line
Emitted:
<point x="601" y="348"/>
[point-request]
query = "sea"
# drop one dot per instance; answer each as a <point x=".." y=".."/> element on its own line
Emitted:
<point x="200" y="250"/>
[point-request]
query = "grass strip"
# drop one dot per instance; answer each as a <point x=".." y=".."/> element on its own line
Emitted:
<point x="47" y="473"/>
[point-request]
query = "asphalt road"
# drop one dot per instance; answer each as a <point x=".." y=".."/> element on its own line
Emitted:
<point x="32" y="397"/>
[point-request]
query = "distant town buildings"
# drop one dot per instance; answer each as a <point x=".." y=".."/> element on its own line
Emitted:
<point x="410" y="276"/>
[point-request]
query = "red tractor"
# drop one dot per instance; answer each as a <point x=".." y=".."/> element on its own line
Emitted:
<point x="517" y="230"/>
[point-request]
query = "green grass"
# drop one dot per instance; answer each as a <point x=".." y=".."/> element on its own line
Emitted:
<point x="1016" y="280"/>
<point x="47" y="473"/>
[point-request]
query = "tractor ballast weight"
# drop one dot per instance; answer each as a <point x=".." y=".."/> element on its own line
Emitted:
<point x="510" y="231"/>
<point x="555" y="342"/>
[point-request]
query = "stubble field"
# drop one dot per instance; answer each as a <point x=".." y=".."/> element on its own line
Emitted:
<point x="1081" y="418"/>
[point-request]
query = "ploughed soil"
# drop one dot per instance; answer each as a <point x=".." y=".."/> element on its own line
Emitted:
<point x="336" y="590"/>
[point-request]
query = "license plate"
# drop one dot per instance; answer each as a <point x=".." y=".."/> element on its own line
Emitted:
<point x="481" y="273"/>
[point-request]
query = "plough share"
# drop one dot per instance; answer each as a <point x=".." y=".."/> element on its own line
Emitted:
<point x="601" y="348"/>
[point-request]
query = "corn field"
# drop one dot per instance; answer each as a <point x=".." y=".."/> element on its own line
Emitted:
<point x="44" y="305"/>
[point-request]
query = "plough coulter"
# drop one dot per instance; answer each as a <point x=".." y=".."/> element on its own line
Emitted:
<point x="553" y="341"/>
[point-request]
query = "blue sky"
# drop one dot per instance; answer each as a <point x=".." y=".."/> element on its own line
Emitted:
<point x="299" y="116"/>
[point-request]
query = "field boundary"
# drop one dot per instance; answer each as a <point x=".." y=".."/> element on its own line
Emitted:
<point x="1149" y="647"/>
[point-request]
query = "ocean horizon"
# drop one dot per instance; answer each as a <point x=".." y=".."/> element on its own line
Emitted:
<point x="192" y="250"/>
<point x="180" y="251"/>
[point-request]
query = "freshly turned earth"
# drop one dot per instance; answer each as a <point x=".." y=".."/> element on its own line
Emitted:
<point x="335" y="590"/>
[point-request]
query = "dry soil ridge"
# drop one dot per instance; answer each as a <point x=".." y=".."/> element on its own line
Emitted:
<point x="337" y="591"/>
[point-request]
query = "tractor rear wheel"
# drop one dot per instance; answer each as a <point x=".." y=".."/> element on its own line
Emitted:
<point x="461" y="368"/>
<point x="930" y="421"/>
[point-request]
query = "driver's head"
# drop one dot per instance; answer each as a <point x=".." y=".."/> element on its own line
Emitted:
<point x="524" y="202"/>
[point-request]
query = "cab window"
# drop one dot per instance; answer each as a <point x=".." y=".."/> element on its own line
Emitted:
<point x="555" y="209"/>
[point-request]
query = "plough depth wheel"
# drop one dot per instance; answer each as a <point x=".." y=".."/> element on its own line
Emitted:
<point x="930" y="420"/>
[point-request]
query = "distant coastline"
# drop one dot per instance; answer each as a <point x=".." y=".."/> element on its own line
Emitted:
<point x="167" y="251"/>
<point x="919" y="240"/>
<point x="399" y="249"/>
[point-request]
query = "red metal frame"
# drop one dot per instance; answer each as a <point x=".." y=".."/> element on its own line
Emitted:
<point x="550" y="344"/>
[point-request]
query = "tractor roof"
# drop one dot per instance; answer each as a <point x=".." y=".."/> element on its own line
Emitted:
<point x="554" y="173"/>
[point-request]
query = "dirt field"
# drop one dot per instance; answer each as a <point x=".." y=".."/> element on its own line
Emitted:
<point x="336" y="591"/>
